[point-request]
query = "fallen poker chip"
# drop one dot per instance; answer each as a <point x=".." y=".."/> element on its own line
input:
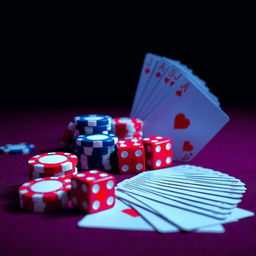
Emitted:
<point x="45" y="194"/>
<point x="16" y="149"/>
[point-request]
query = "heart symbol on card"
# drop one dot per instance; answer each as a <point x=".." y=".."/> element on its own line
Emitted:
<point x="166" y="80"/>
<point x="181" y="122"/>
<point x="179" y="93"/>
<point x="187" y="146"/>
<point x="131" y="212"/>
<point x="158" y="74"/>
<point x="147" y="70"/>
<point x="172" y="83"/>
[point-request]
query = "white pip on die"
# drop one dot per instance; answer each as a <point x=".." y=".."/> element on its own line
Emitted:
<point x="158" y="151"/>
<point x="93" y="191"/>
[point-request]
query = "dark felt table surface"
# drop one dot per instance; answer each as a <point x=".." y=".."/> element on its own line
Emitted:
<point x="232" y="151"/>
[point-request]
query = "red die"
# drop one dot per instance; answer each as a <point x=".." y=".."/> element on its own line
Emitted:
<point x="93" y="191"/>
<point x="158" y="152"/>
<point x="131" y="156"/>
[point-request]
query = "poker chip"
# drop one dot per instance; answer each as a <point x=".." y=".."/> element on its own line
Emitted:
<point x="20" y="148"/>
<point x="90" y="151"/>
<point x="104" y="159"/>
<point x="52" y="163"/>
<point x="137" y="135"/>
<point x="97" y="140"/>
<point x="68" y="174"/>
<point x="95" y="151"/>
<point x="94" y="142"/>
<point x="127" y="122"/>
<point x="127" y="128"/>
<point x="98" y="166"/>
<point x="68" y="135"/>
<point x="89" y="132"/>
<point x="92" y="130"/>
<point x="92" y="124"/>
<point x="93" y="120"/>
<point x="45" y="194"/>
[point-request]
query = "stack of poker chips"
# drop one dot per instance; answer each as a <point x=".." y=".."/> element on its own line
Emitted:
<point x="92" y="124"/>
<point x="52" y="164"/>
<point x="85" y="125"/>
<point x="96" y="151"/>
<point x="127" y="128"/>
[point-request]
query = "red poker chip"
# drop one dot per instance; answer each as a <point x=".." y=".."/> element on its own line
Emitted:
<point x="137" y="135"/>
<point x="68" y="174"/>
<point x="68" y="135"/>
<point x="126" y="131"/>
<point x="127" y="122"/>
<point x="41" y="207"/>
<point x="119" y="134"/>
<point x="45" y="193"/>
<point x="52" y="162"/>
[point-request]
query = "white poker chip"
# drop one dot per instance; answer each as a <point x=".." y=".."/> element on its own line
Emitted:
<point x="20" y="148"/>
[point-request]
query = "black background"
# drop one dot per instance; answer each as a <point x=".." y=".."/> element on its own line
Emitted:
<point x="55" y="60"/>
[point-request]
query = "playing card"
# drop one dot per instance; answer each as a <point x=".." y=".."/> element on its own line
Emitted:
<point x="226" y="192"/>
<point x="159" y="223"/>
<point x="119" y="217"/>
<point x="186" y="197"/>
<point x="191" y="198"/>
<point x="205" y="184"/>
<point x="177" y="216"/>
<point x="166" y="182"/>
<point x="168" y="75"/>
<point x="157" y="74"/>
<point x="148" y="68"/>
<point x="168" y="196"/>
<point x="238" y="214"/>
<point x="188" y="117"/>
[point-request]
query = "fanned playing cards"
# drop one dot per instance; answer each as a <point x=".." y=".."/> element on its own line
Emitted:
<point x="175" y="103"/>
<point x="181" y="198"/>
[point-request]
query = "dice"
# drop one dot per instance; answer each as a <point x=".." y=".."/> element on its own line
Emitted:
<point x="158" y="151"/>
<point x="93" y="191"/>
<point x="130" y="156"/>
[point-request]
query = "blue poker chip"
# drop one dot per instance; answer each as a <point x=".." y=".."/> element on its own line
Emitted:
<point x="90" y="151"/>
<point x="90" y="130"/>
<point x="97" y="140"/>
<point x="102" y="167"/>
<point x="94" y="163"/>
<point x="93" y="120"/>
<point x="94" y="128"/>
<point x="15" y="149"/>
<point x="96" y="159"/>
<point x="77" y="132"/>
